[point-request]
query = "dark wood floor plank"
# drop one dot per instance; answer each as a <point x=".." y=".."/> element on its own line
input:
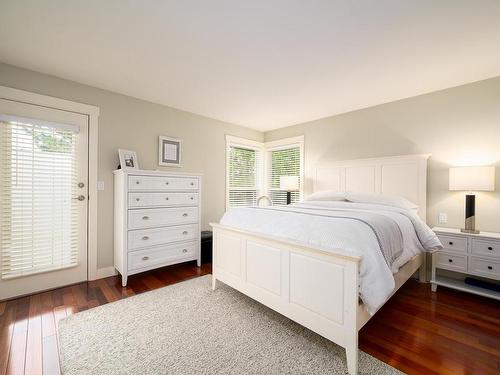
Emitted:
<point x="17" y="355"/>
<point x="50" y="356"/>
<point x="7" y="321"/>
<point x="33" y="363"/>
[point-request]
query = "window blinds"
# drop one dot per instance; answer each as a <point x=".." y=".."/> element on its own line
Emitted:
<point x="243" y="175"/>
<point x="283" y="162"/>
<point x="38" y="178"/>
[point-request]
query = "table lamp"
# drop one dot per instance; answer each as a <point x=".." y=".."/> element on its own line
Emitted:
<point x="289" y="184"/>
<point x="471" y="179"/>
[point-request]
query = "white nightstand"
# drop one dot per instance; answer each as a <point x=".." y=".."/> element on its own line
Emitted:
<point x="464" y="255"/>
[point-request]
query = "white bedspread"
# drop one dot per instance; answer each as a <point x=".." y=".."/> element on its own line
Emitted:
<point x="342" y="235"/>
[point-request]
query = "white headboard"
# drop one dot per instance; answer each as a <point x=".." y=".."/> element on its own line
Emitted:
<point x="404" y="175"/>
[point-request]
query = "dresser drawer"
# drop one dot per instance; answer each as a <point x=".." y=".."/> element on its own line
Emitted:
<point x="485" y="267"/>
<point x="136" y="200"/>
<point x="486" y="247"/>
<point x="155" y="217"/>
<point x="149" y="237"/>
<point x="452" y="243"/>
<point x="162" y="183"/>
<point x="160" y="255"/>
<point x="452" y="262"/>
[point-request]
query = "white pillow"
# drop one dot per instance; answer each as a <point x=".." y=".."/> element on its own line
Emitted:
<point x="385" y="200"/>
<point x="326" y="195"/>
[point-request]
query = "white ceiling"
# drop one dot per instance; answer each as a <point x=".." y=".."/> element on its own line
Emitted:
<point x="261" y="64"/>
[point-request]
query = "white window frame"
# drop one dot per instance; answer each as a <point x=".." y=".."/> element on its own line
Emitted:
<point x="264" y="148"/>
<point x="232" y="141"/>
<point x="283" y="144"/>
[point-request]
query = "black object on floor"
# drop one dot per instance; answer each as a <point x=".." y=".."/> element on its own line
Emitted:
<point x="206" y="246"/>
<point x="482" y="284"/>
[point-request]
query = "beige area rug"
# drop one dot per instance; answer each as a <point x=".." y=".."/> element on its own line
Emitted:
<point x="187" y="328"/>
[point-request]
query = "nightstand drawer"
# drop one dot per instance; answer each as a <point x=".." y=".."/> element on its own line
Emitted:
<point x="486" y="247"/>
<point x="485" y="267"/>
<point x="453" y="243"/>
<point x="451" y="262"/>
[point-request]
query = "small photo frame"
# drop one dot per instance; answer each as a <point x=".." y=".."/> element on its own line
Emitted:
<point x="169" y="151"/>
<point x="128" y="159"/>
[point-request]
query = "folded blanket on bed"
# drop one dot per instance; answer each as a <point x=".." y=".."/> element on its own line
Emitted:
<point x="386" y="229"/>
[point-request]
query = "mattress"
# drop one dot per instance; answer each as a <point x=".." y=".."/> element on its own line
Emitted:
<point x="385" y="237"/>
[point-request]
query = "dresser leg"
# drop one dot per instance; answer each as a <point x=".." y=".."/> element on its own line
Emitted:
<point x="434" y="287"/>
<point x="124" y="281"/>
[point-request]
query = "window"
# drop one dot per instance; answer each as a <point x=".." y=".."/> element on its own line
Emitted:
<point x="38" y="173"/>
<point x="243" y="183"/>
<point x="284" y="158"/>
<point x="247" y="178"/>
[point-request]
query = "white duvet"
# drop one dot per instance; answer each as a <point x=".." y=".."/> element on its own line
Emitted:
<point x="342" y="236"/>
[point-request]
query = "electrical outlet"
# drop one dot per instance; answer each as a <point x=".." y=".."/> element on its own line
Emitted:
<point x="443" y="218"/>
<point x="100" y="185"/>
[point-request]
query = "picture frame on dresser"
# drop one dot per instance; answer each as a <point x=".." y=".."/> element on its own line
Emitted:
<point x="467" y="256"/>
<point x="157" y="220"/>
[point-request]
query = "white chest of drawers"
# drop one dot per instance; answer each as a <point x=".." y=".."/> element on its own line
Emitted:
<point x="465" y="254"/>
<point x="156" y="220"/>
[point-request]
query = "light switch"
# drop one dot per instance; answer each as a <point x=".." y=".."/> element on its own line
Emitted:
<point x="100" y="185"/>
<point x="443" y="218"/>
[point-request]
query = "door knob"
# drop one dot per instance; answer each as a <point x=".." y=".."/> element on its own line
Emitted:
<point x="80" y="197"/>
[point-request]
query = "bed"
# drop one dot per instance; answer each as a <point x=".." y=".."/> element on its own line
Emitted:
<point x="285" y="257"/>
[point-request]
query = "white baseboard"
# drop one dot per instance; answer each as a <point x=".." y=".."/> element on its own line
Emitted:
<point x="105" y="272"/>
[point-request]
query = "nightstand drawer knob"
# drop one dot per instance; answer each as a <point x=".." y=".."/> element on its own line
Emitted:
<point x="450" y="260"/>
<point x="490" y="267"/>
<point x="145" y="218"/>
<point x="137" y="199"/>
<point x="145" y="238"/>
<point x="490" y="248"/>
<point x="184" y="214"/>
<point x="450" y="243"/>
<point x="145" y="258"/>
<point x="184" y="250"/>
<point x="185" y="232"/>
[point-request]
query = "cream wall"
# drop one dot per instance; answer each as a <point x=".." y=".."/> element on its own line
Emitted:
<point x="457" y="126"/>
<point x="134" y="124"/>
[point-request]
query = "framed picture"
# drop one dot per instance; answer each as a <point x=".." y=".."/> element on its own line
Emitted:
<point x="128" y="159"/>
<point x="169" y="151"/>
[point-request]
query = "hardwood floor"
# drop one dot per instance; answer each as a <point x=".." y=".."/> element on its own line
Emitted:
<point x="416" y="331"/>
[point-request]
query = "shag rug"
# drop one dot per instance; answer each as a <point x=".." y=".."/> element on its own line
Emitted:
<point x="187" y="328"/>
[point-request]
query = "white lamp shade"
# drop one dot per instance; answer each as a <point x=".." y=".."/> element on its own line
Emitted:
<point x="472" y="178"/>
<point x="289" y="183"/>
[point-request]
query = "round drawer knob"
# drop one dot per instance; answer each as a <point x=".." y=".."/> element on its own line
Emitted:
<point x="184" y="250"/>
<point x="145" y="238"/>
<point x="192" y="183"/>
<point x="490" y="267"/>
<point x="185" y="232"/>
<point x="450" y="243"/>
<point x="137" y="199"/>
<point x="490" y="248"/>
<point x="192" y="198"/>
<point x="166" y="183"/>
<point x="166" y="198"/>
<point x="184" y="214"/>
<point x="145" y="218"/>
<point x="145" y="258"/>
<point x="450" y="260"/>
<point x="137" y="182"/>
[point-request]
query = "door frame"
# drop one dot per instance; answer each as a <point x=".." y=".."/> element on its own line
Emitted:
<point x="92" y="112"/>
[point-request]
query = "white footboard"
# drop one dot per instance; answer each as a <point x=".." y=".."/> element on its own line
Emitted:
<point x="315" y="288"/>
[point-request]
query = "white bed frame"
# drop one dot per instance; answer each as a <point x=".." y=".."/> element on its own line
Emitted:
<point x="311" y="285"/>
